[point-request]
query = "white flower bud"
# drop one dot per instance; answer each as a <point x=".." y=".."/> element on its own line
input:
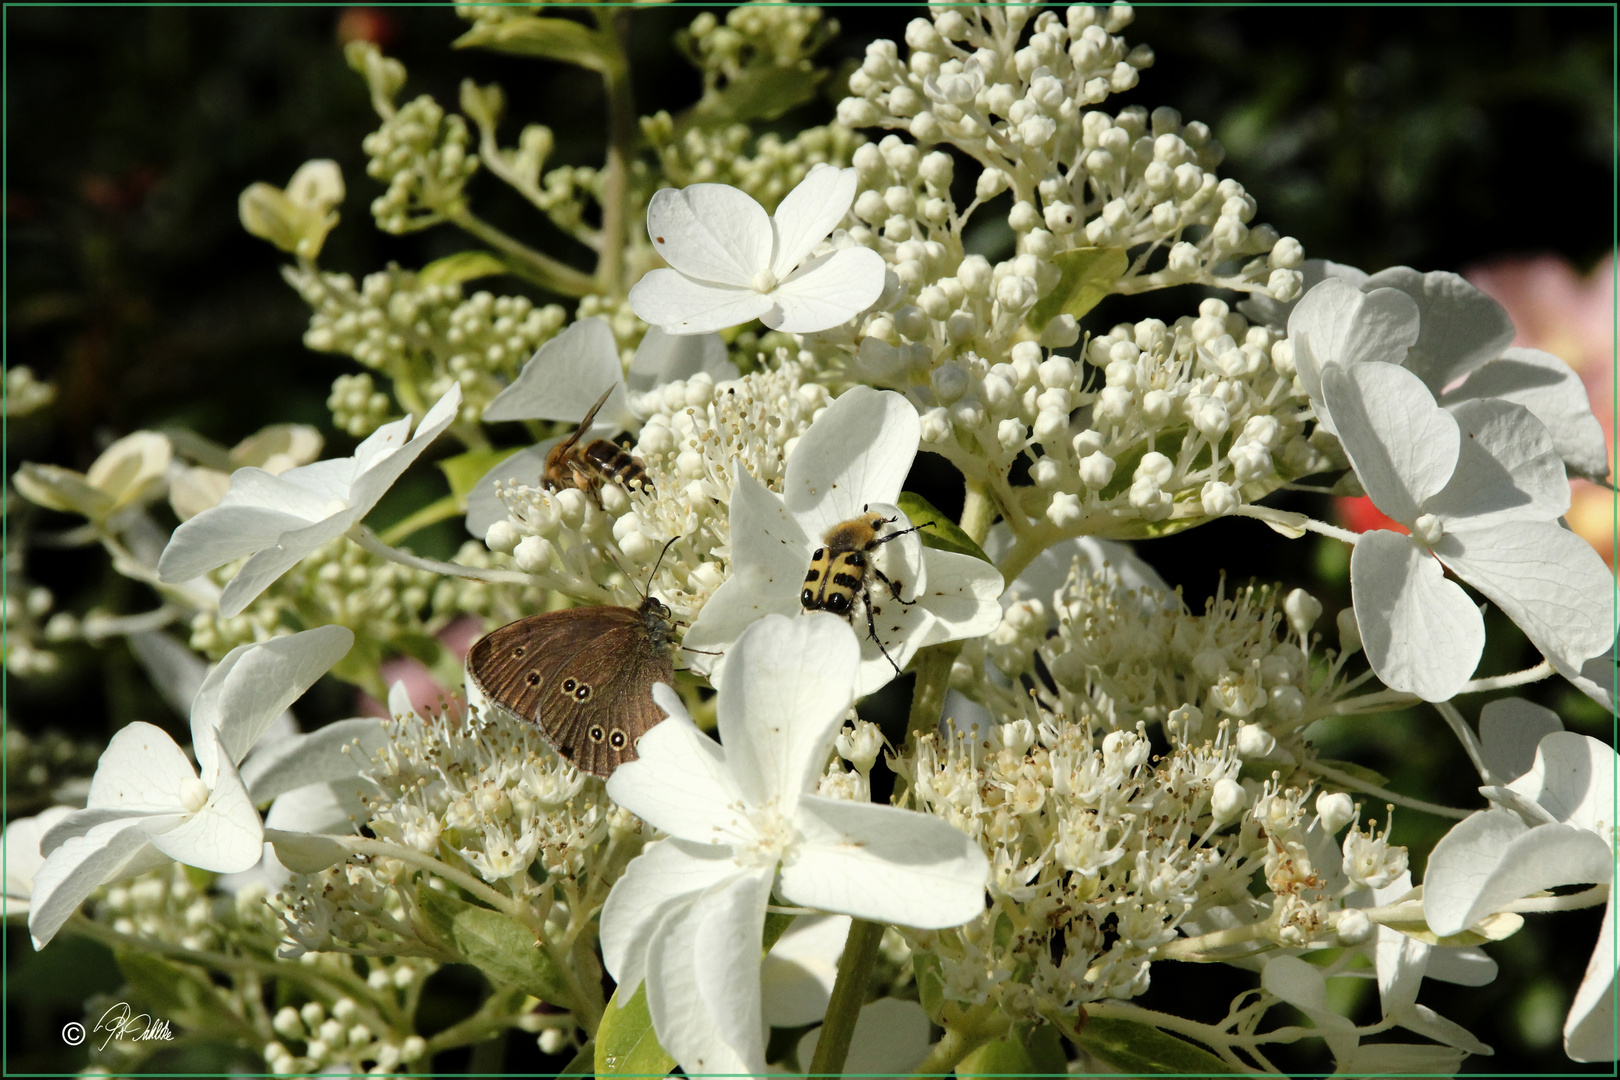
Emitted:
<point x="857" y="112"/>
<point x="1287" y="254"/>
<point x="534" y="554"/>
<point x="1046" y="474"/>
<point x="936" y="170"/>
<point x="1061" y="218"/>
<point x="1156" y="468"/>
<point x="1282" y="358"/>
<point x="1060" y="332"/>
<point x="950" y="382"/>
<point x="1063" y="510"/>
<point x="935" y="425"/>
<point x="870" y="207"/>
<point x="991" y="182"/>
<point x="1228" y="801"/>
<point x="1017" y="293"/>
<point x="1254" y="741"/>
<point x="1150" y="503"/>
<point x="1336" y="809"/>
<point x="1302" y="610"/>
<point x="1209" y="416"/>
<point x="1184" y="258"/>
<point x="1349" y="631"/>
<point x="552" y="1041"/>
<point x="1051" y="425"/>
<point x="1023" y="216"/>
<point x="1096" y="470"/>
<point x="1428" y="529"/>
<point x="1219" y="498"/>
<point x="1012" y="435"/>
<point x="1285" y="285"/>
<point x="502" y="536"/>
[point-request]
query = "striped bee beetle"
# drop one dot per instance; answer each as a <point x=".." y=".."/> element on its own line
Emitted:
<point x="570" y="465"/>
<point x="841" y="571"/>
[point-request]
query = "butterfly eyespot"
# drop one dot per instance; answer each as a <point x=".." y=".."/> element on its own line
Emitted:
<point x="596" y="733"/>
<point x="583" y="693"/>
<point x="517" y="653"/>
<point x="533" y="678"/>
<point x="616" y="740"/>
<point x="568" y="686"/>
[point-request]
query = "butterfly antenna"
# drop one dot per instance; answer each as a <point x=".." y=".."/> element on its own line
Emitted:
<point x="660" y="562"/>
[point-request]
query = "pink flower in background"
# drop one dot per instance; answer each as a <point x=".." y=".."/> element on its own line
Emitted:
<point x="425" y="691"/>
<point x="1556" y="309"/>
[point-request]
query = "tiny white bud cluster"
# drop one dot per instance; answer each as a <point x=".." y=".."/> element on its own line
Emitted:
<point x="422" y="155"/>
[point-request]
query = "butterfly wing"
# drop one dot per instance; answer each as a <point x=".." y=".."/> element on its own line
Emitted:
<point x="584" y="676"/>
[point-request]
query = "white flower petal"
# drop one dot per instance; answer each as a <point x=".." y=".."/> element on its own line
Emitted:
<point x="1402" y="445"/>
<point x="377" y="475"/>
<point x="142" y="770"/>
<point x="827" y="291"/>
<point x="1303" y="986"/>
<point x="74" y="870"/>
<point x="254" y="684"/>
<point x="23" y="857"/>
<point x="259" y="572"/>
<point x="256" y="511"/>
<point x="333" y="808"/>
<point x="962" y="594"/>
<point x="885" y="864"/>
<point x="1573" y="778"/>
<point x="663" y="358"/>
<point x="1507" y="469"/>
<point x="679" y="781"/>
<point x="1263" y="310"/>
<point x="1421" y="632"/>
<point x="703" y="979"/>
<point x="680" y="305"/>
<point x="786" y="687"/>
<point x="712" y="232"/>
<point x="1596" y="678"/>
<point x="797" y="977"/>
<point x="1337" y="323"/>
<point x="225" y="836"/>
<point x="1589" y="1031"/>
<point x="890" y="1039"/>
<point x="1492" y="858"/>
<point x="808" y="213"/>
<point x="1548" y="580"/>
<point x="1049" y="570"/>
<point x="327" y="754"/>
<point x="1550" y="389"/>
<point x="1510" y="729"/>
<point x="527" y="466"/>
<point x="666" y="873"/>
<point x="1462" y="328"/>
<point x="564" y="378"/>
<point x="175" y="671"/>
<point x="1465" y="967"/>
<point x="1430" y="1024"/>
<point x="1400" y="960"/>
<point x="856" y="452"/>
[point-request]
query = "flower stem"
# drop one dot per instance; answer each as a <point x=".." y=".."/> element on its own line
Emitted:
<point x="542" y="270"/>
<point x="621" y="147"/>
<point x="1465" y="735"/>
<point x="848" y="995"/>
<point x="933" y="668"/>
<point x="368" y="540"/>
<point x="978" y="511"/>
<point x="960" y="1040"/>
<point x="1344" y="779"/>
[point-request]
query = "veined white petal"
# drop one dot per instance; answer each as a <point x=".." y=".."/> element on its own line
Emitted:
<point x="1466" y="966"/>
<point x="885" y="864"/>
<point x="484" y="507"/>
<point x="270" y="563"/>
<point x="826" y="292"/>
<point x="857" y="452"/>
<point x="1492" y="858"/>
<point x="1337" y="323"/>
<point x="1402" y="445"/>
<point x="666" y="874"/>
<point x="1589" y="1033"/>
<point x="1548" y="580"/>
<point x="23" y="856"/>
<point x="711" y="232"/>
<point x="1421" y="632"/>
<point x="890" y="1039"/>
<point x="74" y="870"/>
<point x="680" y="781"/>
<point x="1573" y="778"/>
<point x="1510" y="729"/>
<point x="663" y="358"/>
<point x="1430" y="1024"/>
<point x="797" y="977"/>
<point x="565" y="376"/>
<point x="142" y="770"/>
<point x="254" y="684"/>
<point x="225" y="836"/>
<point x="378" y="475"/>
<point x="263" y="509"/>
<point x="786" y="687"/>
<point x="808" y="213"/>
<point x="1304" y="987"/>
<point x="1507" y="469"/>
<point x="1461" y="327"/>
<point x="703" y="979"/>
<point x="1550" y="389"/>
<point x="328" y="753"/>
<point x="963" y="593"/>
<point x="681" y="305"/>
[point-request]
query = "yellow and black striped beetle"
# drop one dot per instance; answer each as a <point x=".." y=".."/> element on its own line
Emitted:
<point x="840" y="571"/>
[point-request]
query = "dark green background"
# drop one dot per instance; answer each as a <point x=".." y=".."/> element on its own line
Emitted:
<point x="1437" y="138"/>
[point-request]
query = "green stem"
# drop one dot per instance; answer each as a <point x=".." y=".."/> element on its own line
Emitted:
<point x="542" y="270"/>
<point x="933" y="668"/>
<point x="610" y="281"/>
<point x="978" y="511"/>
<point x="431" y="514"/>
<point x="960" y="1040"/>
<point x="1344" y="779"/>
<point x="848" y="995"/>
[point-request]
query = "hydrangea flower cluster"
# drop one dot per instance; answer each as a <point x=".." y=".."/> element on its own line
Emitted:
<point x="1091" y="780"/>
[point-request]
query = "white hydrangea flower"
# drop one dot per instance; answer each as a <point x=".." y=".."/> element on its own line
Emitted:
<point x="1485" y="506"/>
<point x="743" y="820"/>
<point x="732" y="263"/>
<point x="20" y="843"/>
<point x="852" y="461"/>
<point x="128" y="473"/>
<point x="1555" y="826"/>
<point x="281" y="519"/>
<point x="147" y="804"/>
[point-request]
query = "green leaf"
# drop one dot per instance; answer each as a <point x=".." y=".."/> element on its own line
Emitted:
<point x="465" y="470"/>
<point x="460" y="267"/>
<point x="584" y="1063"/>
<point x="1088" y="275"/>
<point x="548" y="39"/>
<point x="758" y="93"/>
<point x="626" y="1044"/>
<point x="1034" y="1051"/>
<point x="1139" y="1049"/>
<point x="776" y="924"/>
<point x="505" y="951"/>
<point x="930" y="978"/>
<point x="942" y="532"/>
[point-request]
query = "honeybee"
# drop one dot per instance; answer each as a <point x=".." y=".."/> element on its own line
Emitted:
<point x="840" y="571"/>
<point x="569" y="465"/>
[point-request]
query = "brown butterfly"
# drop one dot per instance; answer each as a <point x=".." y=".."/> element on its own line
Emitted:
<point x="584" y="676"/>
